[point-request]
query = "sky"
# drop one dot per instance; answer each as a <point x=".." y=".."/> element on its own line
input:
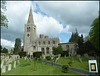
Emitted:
<point x="52" y="18"/>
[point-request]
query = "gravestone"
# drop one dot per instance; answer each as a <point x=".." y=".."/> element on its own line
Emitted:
<point x="2" y="63"/>
<point x="52" y="57"/>
<point x="57" y="58"/>
<point x="18" y="61"/>
<point x="7" y="63"/>
<point x="9" y="67"/>
<point x="87" y="56"/>
<point x="15" y="64"/>
<point x="80" y="59"/>
<point x="25" y="57"/>
<point x="78" y="56"/>
<point x="65" y="56"/>
<point x="43" y="57"/>
<point x="3" y="69"/>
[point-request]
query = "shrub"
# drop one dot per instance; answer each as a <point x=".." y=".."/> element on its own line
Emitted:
<point x="22" y="54"/>
<point x="48" y="57"/>
<point x="39" y="60"/>
<point x="37" y="54"/>
<point x="64" y="53"/>
<point x="70" y="63"/>
<point x="65" y="68"/>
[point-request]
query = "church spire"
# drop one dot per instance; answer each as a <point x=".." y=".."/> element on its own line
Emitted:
<point x="30" y="18"/>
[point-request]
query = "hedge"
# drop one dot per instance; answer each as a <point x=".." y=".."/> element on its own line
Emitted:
<point x="22" y="54"/>
<point x="48" y="57"/>
<point x="64" y="53"/>
<point x="37" y="54"/>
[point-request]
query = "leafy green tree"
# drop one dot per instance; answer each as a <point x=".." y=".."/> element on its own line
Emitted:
<point x="17" y="47"/>
<point x="89" y="48"/>
<point x="94" y="33"/>
<point x="57" y="50"/>
<point x="5" y="50"/>
<point x="4" y="20"/>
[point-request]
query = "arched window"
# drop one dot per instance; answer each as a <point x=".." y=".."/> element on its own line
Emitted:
<point x="43" y="42"/>
<point x="53" y="42"/>
<point x="34" y="47"/>
<point x="42" y="50"/>
<point x="47" y="50"/>
<point x="28" y="29"/>
<point x="48" y="42"/>
<point x="39" y="43"/>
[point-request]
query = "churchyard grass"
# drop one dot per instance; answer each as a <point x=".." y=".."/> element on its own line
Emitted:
<point x="27" y="68"/>
<point x="84" y="65"/>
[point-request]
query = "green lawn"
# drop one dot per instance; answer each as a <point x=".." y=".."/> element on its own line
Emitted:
<point x="27" y="68"/>
<point x="76" y="64"/>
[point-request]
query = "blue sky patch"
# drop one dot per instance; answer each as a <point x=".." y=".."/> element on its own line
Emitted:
<point x="64" y="37"/>
<point x="38" y="10"/>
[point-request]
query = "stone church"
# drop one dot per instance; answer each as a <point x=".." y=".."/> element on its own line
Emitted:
<point x="32" y="43"/>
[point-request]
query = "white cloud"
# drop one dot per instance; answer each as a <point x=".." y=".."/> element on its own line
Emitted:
<point x="66" y="29"/>
<point x="47" y="25"/>
<point x="74" y="13"/>
<point x="6" y="43"/>
<point x="17" y="14"/>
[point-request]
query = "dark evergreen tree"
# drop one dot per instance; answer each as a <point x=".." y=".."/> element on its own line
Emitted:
<point x="74" y="37"/>
<point x="80" y="46"/>
<point x="17" y="47"/>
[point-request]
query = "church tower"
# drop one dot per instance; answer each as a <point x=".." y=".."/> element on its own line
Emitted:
<point x="29" y="32"/>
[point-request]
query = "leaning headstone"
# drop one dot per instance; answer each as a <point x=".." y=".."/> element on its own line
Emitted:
<point x="3" y="69"/>
<point x="78" y="56"/>
<point x="9" y="67"/>
<point x="15" y="64"/>
<point x="56" y="60"/>
<point x="80" y="59"/>
<point x="18" y="62"/>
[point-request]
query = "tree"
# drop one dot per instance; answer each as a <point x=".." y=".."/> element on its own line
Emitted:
<point x="74" y="37"/>
<point x="86" y="38"/>
<point x="89" y="48"/>
<point x="0" y="47"/>
<point x="5" y="50"/>
<point x="57" y="50"/>
<point x="4" y="20"/>
<point x="94" y="33"/>
<point x="17" y="47"/>
<point x="80" y="49"/>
